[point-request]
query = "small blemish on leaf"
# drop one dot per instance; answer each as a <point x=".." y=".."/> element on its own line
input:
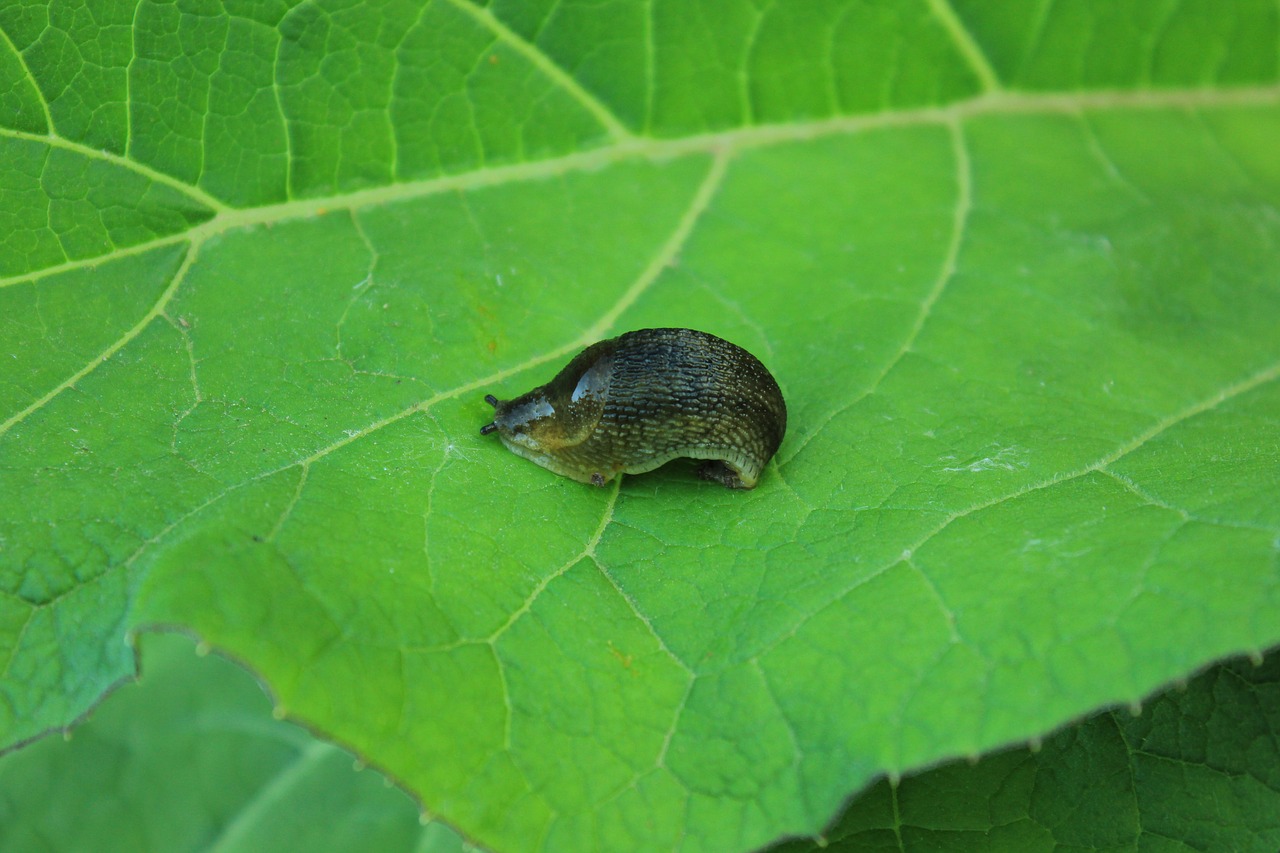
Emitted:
<point x="625" y="660"/>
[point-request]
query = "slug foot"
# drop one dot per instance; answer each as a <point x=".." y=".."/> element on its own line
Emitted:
<point x="718" y="472"/>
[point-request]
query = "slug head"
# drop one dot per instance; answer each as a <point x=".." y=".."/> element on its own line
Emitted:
<point x="528" y="421"/>
<point x="557" y="415"/>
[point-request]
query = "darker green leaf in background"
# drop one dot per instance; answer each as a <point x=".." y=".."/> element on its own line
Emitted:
<point x="190" y="759"/>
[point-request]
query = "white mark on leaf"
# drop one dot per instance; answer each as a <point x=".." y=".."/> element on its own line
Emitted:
<point x="1004" y="459"/>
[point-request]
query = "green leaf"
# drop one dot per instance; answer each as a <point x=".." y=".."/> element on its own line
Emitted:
<point x="190" y="759"/>
<point x="1196" y="765"/>
<point x="1197" y="769"/>
<point x="1016" y="275"/>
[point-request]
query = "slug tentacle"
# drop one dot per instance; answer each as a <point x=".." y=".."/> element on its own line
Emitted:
<point x="635" y="402"/>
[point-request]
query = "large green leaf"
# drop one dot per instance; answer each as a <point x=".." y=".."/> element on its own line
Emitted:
<point x="1016" y="273"/>
<point x="1196" y="769"/>
<point x="190" y="760"/>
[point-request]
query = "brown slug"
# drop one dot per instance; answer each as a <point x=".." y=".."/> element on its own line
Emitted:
<point x="634" y="402"/>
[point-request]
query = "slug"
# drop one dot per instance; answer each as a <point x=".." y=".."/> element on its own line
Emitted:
<point x="632" y="403"/>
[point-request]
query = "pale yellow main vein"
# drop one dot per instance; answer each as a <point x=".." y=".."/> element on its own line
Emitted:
<point x="723" y="144"/>
<point x="156" y="310"/>
<point x="966" y="44"/>
<point x="544" y="63"/>
<point x="732" y="141"/>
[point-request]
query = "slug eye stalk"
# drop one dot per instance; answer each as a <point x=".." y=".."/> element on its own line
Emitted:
<point x="489" y="427"/>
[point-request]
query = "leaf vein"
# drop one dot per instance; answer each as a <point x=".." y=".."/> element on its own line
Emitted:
<point x="946" y="272"/>
<point x="719" y="143"/>
<point x="191" y="191"/>
<point x="587" y="552"/>
<point x="966" y="44"/>
<point x="544" y="63"/>
<point x="1249" y="383"/>
<point x="156" y="310"/>
<point x="31" y="79"/>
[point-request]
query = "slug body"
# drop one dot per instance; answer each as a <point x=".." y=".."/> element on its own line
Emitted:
<point x="637" y="401"/>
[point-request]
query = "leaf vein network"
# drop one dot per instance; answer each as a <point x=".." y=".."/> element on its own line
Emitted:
<point x="227" y="218"/>
<point x="723" y="145"/>
<point x="156" y="311"/>
<point x="1262" y="377"/>
<point x="30" y="78"/>
<point x="697" y="205"/>
<point x="548" y="66"/>
<point x="946" y="272"/>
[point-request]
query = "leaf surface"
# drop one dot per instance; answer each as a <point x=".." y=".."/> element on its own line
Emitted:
<point x="1194" y="768"/>
<point x="190" y="759"/>
<point x="1195" y="765"/>
<point x="1017" y="279"/>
